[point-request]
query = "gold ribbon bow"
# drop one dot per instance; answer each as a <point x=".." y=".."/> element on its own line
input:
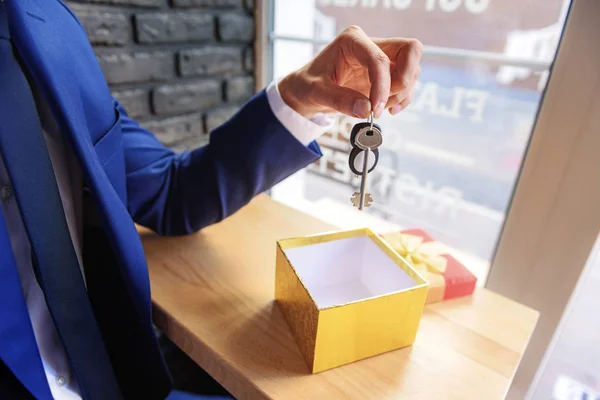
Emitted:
<point x="426" y="258"/>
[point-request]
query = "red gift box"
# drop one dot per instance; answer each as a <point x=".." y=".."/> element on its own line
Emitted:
<point x="447" y="277"/>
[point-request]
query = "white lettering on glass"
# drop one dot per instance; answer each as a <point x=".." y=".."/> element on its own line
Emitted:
<point x="476" y="100"/>
<point x="464" y="103"/>
<point x="477" y="6"/>
<point x="454" y="110"/>
<point x="472" y="6"/>
<point x="427" y="97"/>
<point x="449" y="5"/>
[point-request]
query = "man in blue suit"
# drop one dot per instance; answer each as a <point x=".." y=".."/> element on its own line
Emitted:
<point x="76" y="172"/>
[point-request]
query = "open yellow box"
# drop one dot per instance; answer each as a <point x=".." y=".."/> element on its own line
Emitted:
<point x="347" y="296"/>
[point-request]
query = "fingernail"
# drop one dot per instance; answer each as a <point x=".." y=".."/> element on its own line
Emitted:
<point x="361" y="108"/>
<point x="396" y="109"/>
<point x="379" y="109"/>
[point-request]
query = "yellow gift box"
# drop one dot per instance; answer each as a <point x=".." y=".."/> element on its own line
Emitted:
<point x="347" y="296"/>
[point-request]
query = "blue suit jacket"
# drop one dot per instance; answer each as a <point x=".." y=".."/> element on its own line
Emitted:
<point x="129" y="176"/>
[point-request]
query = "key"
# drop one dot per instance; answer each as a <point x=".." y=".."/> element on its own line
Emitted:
<point x="363" y="199"/>
<point x="360" y="126"/>
<point x="368" y="139"/>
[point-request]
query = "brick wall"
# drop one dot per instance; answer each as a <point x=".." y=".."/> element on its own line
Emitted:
<point x="180" y="67"/>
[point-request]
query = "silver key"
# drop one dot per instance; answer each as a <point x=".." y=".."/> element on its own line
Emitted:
<point x="368" y="139"/>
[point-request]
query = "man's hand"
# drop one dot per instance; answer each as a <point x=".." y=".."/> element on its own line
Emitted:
<point x="355" y="75"/>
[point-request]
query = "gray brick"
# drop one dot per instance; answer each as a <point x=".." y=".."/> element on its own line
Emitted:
<point x="249" y="59"/>
<point x="236" y="27"/>
<point x="210" y="60"/>
<point x="174" y="27"/>
<point x="103" y="28"/>
<point x="207" y="3"/>
<point x="170" y="99"/>
<point x="239" y="88"/>
<point x="134" y="3"/>
<point x="137" y="67"/>
<point x="216" y="118"/>
<point x="135" y="102"/>
<point x="179" y="133"/>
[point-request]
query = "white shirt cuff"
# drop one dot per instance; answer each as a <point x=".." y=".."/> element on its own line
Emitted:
<point x="304" y="129"/>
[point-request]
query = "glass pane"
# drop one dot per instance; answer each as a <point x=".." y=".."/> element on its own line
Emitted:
<point x="449" y="161"/>
<point x="571" y="370"/>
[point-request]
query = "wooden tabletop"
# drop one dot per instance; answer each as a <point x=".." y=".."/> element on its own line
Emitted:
<point x="213" y="296"/>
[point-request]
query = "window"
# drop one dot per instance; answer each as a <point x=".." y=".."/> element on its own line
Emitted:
<point x="449" y="162"/>
<point x="570" y="369"/>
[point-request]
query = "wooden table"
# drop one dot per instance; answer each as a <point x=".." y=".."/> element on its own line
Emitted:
<point x="213" y="296"/>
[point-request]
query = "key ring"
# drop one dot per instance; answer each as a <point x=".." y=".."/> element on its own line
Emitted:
<point x="355" y="166"/>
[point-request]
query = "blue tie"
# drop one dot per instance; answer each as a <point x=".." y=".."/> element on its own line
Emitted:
<point x="26" y="157"/>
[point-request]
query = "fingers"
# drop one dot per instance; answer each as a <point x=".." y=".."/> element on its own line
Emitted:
<point x="400" y="106"/>
<point x="358" y="46"/>
<point x="406" y="68"/>
<point x="400" y="101"/>
<point x="342" y="99"/>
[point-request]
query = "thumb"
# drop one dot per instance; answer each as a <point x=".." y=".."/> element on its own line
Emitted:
<point x="344" y="100"/>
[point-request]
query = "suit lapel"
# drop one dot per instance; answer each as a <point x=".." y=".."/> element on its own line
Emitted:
<point x="41" y="49"/>
<point x="18" y="348"/>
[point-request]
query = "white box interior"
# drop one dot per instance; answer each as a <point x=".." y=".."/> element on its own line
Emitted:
<point x="347" y="270"/>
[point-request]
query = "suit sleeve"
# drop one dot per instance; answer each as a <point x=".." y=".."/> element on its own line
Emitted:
<point x="176" y="194"/>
